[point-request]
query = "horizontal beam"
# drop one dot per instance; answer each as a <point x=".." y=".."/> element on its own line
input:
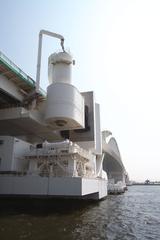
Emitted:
<point x="10" y="88"/>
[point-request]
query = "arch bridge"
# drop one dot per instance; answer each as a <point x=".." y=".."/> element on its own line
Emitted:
<point x="112" y="164"/>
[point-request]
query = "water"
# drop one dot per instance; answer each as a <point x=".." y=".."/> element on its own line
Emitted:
<point x="133" y="215"/>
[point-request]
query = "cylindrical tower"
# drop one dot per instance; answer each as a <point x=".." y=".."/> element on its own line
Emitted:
<point x="64" y="104"/>
<point x="60" y="67"/>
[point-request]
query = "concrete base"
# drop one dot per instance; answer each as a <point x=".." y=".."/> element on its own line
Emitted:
<point x="116" y="188"/>
<point x="53" y="186"/>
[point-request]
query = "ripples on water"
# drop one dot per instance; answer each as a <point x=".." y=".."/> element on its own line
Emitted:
<point x="133" y="215"/>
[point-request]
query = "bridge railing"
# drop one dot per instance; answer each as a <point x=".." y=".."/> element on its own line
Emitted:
<point x="18" y="71"/>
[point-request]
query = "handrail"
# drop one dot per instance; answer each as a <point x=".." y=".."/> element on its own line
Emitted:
<point x="17" y="70"/>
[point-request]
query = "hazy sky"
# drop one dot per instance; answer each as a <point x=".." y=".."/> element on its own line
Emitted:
<point x="116" y="45"/>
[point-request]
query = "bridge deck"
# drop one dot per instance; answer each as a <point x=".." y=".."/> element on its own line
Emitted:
<point x="14" y="74"/>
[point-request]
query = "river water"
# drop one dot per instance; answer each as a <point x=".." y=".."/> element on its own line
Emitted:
<point x="133" y="215"/>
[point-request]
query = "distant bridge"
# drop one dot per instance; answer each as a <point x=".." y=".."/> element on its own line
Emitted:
<point x="112" y="163"/>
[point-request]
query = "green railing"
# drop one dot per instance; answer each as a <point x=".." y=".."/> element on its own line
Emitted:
<point x="13" y="67"/>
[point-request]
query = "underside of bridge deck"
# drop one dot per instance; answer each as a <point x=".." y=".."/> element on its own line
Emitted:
<point x="113" y="168"/>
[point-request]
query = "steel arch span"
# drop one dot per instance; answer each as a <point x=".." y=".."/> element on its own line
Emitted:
<point x="112" y="163"/>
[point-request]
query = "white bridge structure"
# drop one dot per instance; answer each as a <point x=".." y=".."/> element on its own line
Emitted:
<point x="51" y="143"/>
<point x="113" y="165"/>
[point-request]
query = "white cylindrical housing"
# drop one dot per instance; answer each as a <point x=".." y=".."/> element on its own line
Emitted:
<point x="59" y="67"/>
<point x="64" y="107"/>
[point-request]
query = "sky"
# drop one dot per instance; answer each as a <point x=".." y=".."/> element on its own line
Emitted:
<point x="116" y="47"/>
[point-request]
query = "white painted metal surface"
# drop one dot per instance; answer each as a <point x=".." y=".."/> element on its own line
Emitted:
<point x="61" y="159"/>
<point x="64" y="107"/>
<point x="54" y="169"/>
<point x="12" y="152"/>
<point x="53" y="186"/>
<point x="55" y="35"/>
<point x="60" y="67"/>
<point x="65" y="104"/>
